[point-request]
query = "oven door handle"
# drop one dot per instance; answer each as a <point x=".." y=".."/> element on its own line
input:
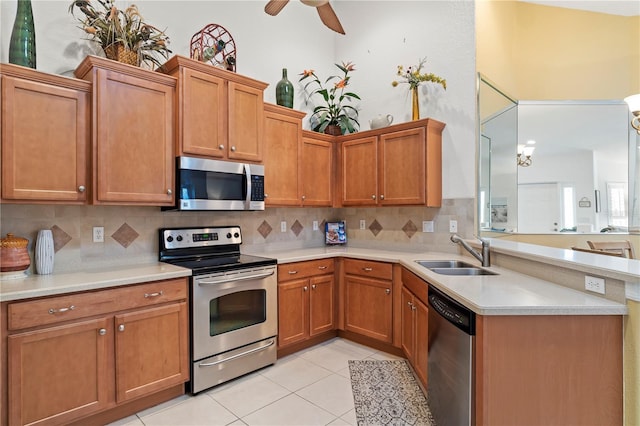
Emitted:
<point x="249" y="352"/>
<point x="227" y="279"/>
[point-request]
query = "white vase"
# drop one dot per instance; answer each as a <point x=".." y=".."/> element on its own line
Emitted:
<point x="44" y="252"/>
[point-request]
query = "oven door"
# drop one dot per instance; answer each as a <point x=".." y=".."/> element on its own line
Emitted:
<point x="233" y="309"/>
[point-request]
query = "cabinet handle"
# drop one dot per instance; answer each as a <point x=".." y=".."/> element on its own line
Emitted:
<point x="305" y="288"/>
<point x="304" y="197"/>
<point x="373" y="197"/>
<point x="156" y="294"/>
<point x="388" y="291"/>
<point x="81" y="188"/>
<point x="313" y="287"/>
<point x="322" y="267"/>
<point x="56" y="311"/>
<point x="382" y="197"/>
<point x="409" y="303"/>
<point x="121" y="327"/>
<point x="102" y="331"/>
<point x="367" y="269"/>
<point x="413" y="308"/>
<point x="220" y="146"/>
<point x="293" y="272"/>
<point x="233" y="148"/>
<point x="169" y="191"/>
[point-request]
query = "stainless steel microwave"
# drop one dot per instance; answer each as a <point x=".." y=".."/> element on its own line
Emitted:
<point x="204" y="184"/>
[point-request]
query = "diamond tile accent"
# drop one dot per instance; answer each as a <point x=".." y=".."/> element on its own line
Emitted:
<point x="264" y="229"/>
<point x="410" y="228"/>
<point x="60" y="238"/>
<point x="125" y="235"/>
<point x="375" y="227"/>
<point x="297" y="227"/>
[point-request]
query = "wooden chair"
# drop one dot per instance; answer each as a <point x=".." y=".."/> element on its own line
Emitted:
<point x="625" y="248"/>
<point x="606" y="253"/>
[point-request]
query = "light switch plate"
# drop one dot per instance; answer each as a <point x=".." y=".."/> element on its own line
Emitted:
<point x="363" y="224"/>
<point x="283" y="226"/>
<point x="315" y="225"/>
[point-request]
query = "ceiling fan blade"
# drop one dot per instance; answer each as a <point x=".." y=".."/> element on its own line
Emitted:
<point x="275" y="6"/>
<point x="329" y="18"/>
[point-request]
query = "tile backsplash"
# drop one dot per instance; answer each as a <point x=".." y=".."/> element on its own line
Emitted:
<point x="131" y="233"/>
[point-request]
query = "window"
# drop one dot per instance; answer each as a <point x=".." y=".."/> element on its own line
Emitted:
<point x="617" y="203"/>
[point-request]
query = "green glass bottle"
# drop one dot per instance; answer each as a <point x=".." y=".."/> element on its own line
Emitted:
<point x="22" y="47"/>
<point x="284" y="91"/>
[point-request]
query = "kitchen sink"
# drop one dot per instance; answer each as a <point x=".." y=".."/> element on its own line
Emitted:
<point x="453" y="267"/>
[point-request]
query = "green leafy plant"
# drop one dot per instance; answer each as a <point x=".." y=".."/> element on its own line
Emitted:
<point x="107" y="25"/>
<point x="336" y="111"/>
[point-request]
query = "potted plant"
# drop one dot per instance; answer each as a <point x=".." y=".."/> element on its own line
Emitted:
<point x="122" y="34"/>
<point x="335" y="116"/>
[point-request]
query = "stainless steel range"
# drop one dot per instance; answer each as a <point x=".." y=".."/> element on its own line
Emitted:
<point x="234" y="302"/>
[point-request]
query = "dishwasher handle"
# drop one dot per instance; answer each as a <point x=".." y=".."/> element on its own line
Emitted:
<point x="452" y="311"/>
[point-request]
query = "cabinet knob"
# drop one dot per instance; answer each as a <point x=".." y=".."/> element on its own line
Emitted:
<point x="388" y="291"/>
<point x="169" y="191"/>
<point x="233" y="148"/>
<point x="121" y="327"/>
<point x="313" y="287"/>
<point x="266" y="195"/>
<point x="413" y="308"/>
<point x="373" y="197"/>
<point x="409" y="303"/>
<point x="82" y="188"/>
<point x="305" y="288"/>
<point x="102" y="331"/>
<point x="304" y="197"/>
<point x="220" y="146"/>
<point x="382" y="197"/>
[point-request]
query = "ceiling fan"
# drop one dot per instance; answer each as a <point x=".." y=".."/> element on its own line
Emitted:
<point x="327" y="15"/>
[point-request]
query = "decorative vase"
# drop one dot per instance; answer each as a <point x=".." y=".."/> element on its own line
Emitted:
<point x="22" y="47"/>
<point x="333" y="130"/>
<point x="415" y="104"/>
<point x="44" y="252"/>
<point x="284" y="91"/>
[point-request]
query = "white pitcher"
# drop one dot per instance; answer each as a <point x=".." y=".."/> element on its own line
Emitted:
<point x="381" y="121"/>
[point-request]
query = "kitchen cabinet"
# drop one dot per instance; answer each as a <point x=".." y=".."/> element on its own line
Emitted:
<point x="45" y="137"/>
<point x="548" y="370"/>
<point x="317" y="169"/>
<point x="368" y="299"/>
<point x="133" y="133"/>
<point x="219" y="113"/>
<point x="306" y="302"/>
<point x="396" y="165"/>
<point x="77" y="355"/>
<point x="415" y="323"/>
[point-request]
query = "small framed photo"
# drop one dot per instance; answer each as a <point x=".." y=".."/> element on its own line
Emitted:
<point x="335" y="233"/>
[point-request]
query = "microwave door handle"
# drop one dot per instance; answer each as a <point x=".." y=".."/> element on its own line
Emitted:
<point x="247" y="173"/>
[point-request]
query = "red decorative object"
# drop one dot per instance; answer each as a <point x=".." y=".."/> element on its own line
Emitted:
<point x="215" y="45"/>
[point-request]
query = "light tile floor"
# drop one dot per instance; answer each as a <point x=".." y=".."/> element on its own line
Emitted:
<point x="310" y="387"/>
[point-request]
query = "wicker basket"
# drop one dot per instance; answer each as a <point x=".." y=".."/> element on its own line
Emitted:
<point x="118" y="52"/>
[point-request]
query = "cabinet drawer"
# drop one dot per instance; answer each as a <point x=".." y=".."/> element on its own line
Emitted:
<point x="80" y="305"/>
<point x="416" y="285"/>
<point x="296" y="270"/>
<point x="368" y="268"/>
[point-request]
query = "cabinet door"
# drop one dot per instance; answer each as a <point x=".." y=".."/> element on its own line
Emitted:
<point x="45" y="139"/>
<point x="134" y="140"/>
<point x="246" y="122"/>
<point x="316" y="172"/>
<point x="321" y="305"/>
<point x="203" y="114"/>
<point x="282" y="136"/>
<point x="60" y="373"/>
<point x="359" y="172"/>
<point x="369" y="306"/>
<point x="151" y="350"/>
<point x="293" y="312"/>
<point x="421" y="340"/>
<point x="408" y="325"/>
<point x="402" y="167"/>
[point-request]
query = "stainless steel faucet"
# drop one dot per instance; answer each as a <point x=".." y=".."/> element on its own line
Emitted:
<point x="484" y="258"/>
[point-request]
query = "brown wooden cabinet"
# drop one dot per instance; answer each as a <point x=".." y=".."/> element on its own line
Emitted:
<point x="306" y="301"/>
<point x="317" y="169"/>
<point x="219" y="112"/>
<point x="368" y="299"/>
<point x="133" y="133"/>
<point x="415" y="323"/>
<point x="397" y="165"/>
<point x="77" y="355"/>
<point x="45" y="137"/>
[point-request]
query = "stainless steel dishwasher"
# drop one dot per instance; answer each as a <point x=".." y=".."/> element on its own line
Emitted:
<point x="450" y="365"/>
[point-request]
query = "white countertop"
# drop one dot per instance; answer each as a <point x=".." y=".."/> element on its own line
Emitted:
<point x="508" y="293"/>
<point x="91" y="279"/>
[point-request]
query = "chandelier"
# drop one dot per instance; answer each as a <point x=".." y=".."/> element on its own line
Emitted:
<point x="524" y="154"/>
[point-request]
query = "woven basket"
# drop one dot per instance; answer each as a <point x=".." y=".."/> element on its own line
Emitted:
<point x="119" y="53"/>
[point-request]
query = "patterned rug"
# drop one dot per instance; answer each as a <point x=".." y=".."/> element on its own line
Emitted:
<point x="386" y="393"/>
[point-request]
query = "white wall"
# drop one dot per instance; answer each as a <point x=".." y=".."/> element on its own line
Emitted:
<point x="380" y="36"/>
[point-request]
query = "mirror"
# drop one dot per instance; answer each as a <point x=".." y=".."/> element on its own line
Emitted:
<point x="575" y="178"/>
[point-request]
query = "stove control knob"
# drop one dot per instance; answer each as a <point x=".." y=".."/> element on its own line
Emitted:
<point x="179" y="238"/>
<point x="236" y="235"/>
<point x="169" y="238"/>
<point x="229" y="235"/>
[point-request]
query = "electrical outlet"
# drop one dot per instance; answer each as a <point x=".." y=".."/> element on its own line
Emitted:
<point x="453" y="226"/>
<point x="363" y="224"/>
<point x="594" y="284"/>
<point x="315" y="225"/>
<point x="283" y="226"/>
<point x="98" y="234"/>
<point x="427" y="226"/>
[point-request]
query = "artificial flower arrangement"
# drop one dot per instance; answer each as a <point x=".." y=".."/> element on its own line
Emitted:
<point x="109" y="27"/>
<point x="336" y="111"/>
<point x="413" y="76"/>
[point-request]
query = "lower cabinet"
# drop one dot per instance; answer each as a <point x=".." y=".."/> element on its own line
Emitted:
<point x="75" y="355"/>
<point x="368" y="299"/>
<point x="415" y="323"/>
<point x="306" y="301"/>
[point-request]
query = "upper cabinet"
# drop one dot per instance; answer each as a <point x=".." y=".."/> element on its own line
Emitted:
<point x="45" y="137"/>
<point x="396" y="165"/>
<point x="220" y="113"/>
<point x="133" y="133"/>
